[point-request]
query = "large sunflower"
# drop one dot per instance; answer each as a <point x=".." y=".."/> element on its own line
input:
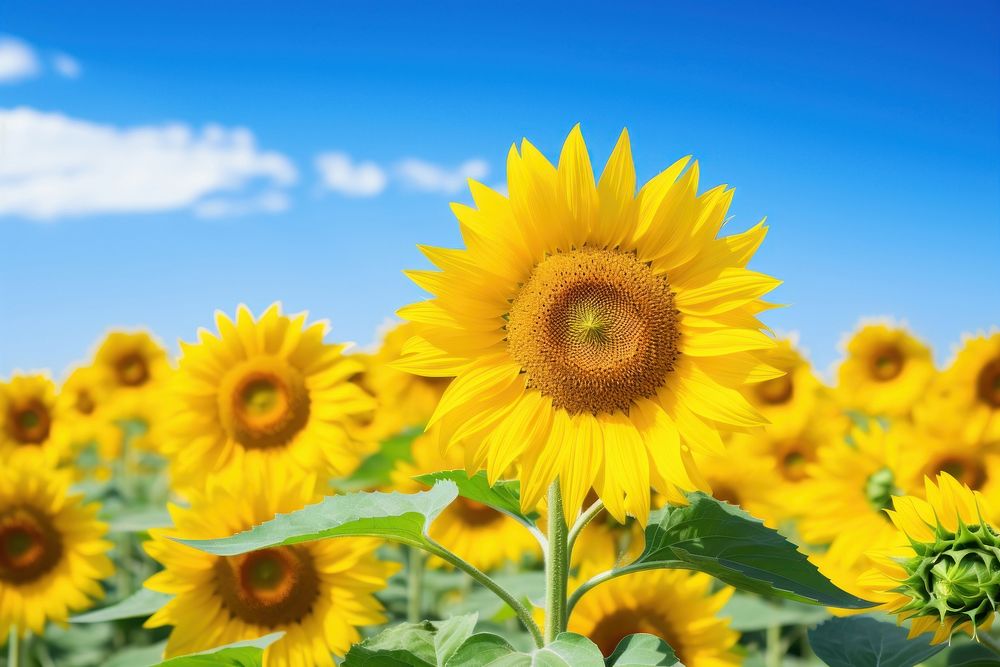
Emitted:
<point x="480" y="535"/>
<point x="886" y="371"/>
<point x="941" y="570"/>
<point x="597" y="335"/>
<point x="30" y="421"/>
<point x="52" y="548"/>
<point x="263" y="393"/>
<point x="317" y="593"/>
<point x="677" y="606"/>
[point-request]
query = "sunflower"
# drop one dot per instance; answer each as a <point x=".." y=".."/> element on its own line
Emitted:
<point x="675" y="605"/>
<point x="84" y="401"/>
<point x="787" y="401"/>
<point x="479" y="534"/>
<point x="886" y="371"/>
<point x="317" y="593"/>
<point x="134" y="361"/>
<point x="30" y="421"/>
<point x="969" y="391"/>
<point x="596" y="336"/>
<point x="850" y="487"/>
<point x="263" y="393"/>
<point x="410" y="399"/>
<point x="941" y="573"/>
<point x="52" y="548"/>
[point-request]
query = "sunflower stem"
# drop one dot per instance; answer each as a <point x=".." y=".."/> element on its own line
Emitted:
<point x="772" y="657"/>
<point x="519" y="609"/>
<point x="556" y="567"/>
<point x="415" y="586"/>
<point x="990" y="642"/>
<point x="582" y="522"/>
<point x="13" y="648"/>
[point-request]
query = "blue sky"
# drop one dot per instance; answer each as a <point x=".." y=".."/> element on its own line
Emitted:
<point x="868" y="133"/>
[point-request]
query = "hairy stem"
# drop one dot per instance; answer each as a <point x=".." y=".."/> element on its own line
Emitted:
<point x="13" y="648"/>
<point x="522" y="613"/>
<point x="556" y="567"/>
<point x="582" y="522"/>
<point x="608" y="575"/>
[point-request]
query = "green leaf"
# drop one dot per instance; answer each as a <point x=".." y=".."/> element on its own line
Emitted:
<point x="451" y="634"/>
<point x="425" y="644"/>
<point x="568" y="650"/>
<point x="729" y="544"/>
<point x="248" y="653"/>
<point x="504" y="496"/>
<point x="857" y="641"/>
<point x="972" y="655"/>
<point x="748" y="613"/>
<point x="399" y="517"/>
<point x="142" y="603"/>
<point x="642" y="650"/>
<point x="482" y="649"/>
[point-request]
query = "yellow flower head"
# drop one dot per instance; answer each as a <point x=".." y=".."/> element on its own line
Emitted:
<point x="886" y="371"/>
<point x="52" y="548"/>
<point x="597" y="336"/>
<point x="263" y="393"/>
<point x="851" y="485"/>
<point x="30" y="421"/>
<point x="787" y="401"/>
<point x="747" y="477"/>
<point x="479" y="534"/>
<point x="134" y="361"/>
<point x="944" y="571"/>
<point x="317" y="593"/>
<point x="84" y="401"/>
<point x="677" y="606"/>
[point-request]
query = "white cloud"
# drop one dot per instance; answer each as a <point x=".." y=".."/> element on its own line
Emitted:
<point x="428" y="177"/>
<point x="273" y="201"/>
<point x="66" y="66"/>
<point x="340" y="173"/>
<point x="54" y="166"/>
<point x="18" y="61"/>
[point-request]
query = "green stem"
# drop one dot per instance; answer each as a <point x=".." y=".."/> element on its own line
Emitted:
<point x="13" y="648"/>
<point x="523" y="614"/>
<point x="556" y="567"/>
<point x="989" y="642"/>
<point x="582" y="522"/>
<point x="772" y="657"/>
<point x="415" y="586"/>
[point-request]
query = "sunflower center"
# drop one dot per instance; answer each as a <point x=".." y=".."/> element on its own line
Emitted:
<point x="988" y="384"/>
<point x="887" y="364"/>
<point x="84" y="403"/>
<point x="476" y="514"/>
<point x="269" y="587"/>
<point x="792" y="464"/>
<point x="263" y="403"/>
<point x="29" y="545"/>
<point x="619" y="624"/>
<point x="970" y="472"/>
<point x="594" y="330"/>
<point x="880" y="487"/>
<point x="29" y="423"/>
<point x="727" y="493"/>
<point x="776" y="391"/>
<point x="132" y="370"/>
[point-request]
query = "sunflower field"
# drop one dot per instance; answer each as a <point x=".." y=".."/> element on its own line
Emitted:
<point x="584" y="448"/>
